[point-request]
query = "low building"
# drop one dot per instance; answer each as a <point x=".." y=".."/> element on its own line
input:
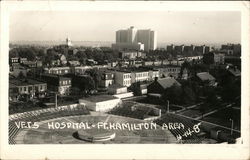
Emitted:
<point x="80" y="69"/>
<point x="57" y="70"/>
<point x="214" y="58"/>
<point x="128" y="46"/>
<point x="30" y="64"/>
<point x="22" y="60"/>
<point x="206" y="78"/>
<point x="29" y="87"/>
<point x="160" y="85"/>
<point x="169" y="71"/>
<point x="100" y="103"/>
<point x="131" y="54"/>
<point x="119" y="91"/>
<point x="13" y="60"/>
<point x="18" y="70"/>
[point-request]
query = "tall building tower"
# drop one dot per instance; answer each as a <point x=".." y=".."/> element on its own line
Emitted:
<point x="132" y="38"/>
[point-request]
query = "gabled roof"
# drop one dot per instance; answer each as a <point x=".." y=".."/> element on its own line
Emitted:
<point x="205" y="76"/>
<point x="168" y="82"/>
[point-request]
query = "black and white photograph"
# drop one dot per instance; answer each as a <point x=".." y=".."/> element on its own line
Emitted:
<point x="105" y="77"/>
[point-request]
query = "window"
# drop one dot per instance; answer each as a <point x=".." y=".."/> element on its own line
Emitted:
<point x="24" y="88"/>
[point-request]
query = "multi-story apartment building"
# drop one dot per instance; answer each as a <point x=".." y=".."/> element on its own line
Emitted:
<point x="133" y="39"/>
<point x="129" y="76"/>
<point x="123" y="78"/>
<point x="139" y="76"/>
<point x="57" y="83"/>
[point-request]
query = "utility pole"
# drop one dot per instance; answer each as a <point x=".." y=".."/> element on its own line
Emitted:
<point x="168" y="106"/>
<point x="55" y="99"/>
<point x="232" y="125"/>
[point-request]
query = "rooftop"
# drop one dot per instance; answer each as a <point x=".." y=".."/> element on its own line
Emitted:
<point x="24" y="82"/>
<point x="205" y="76"/>
<point x="168" y="82"/>
<point x="99" y="98"/>
<point x="116" y="86"/>
<point x="235" y="72"/>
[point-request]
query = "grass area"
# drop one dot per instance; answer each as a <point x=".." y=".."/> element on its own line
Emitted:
<point x="223" y="117"/>
<point x="133" y="110"/>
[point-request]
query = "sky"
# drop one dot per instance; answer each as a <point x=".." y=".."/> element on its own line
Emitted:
<point x="171" y="27"/>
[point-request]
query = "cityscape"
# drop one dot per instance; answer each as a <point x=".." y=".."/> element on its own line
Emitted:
<point x="130" y="91"/>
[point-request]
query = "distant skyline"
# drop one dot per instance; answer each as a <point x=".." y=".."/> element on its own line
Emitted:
<point x="171" y="27"/>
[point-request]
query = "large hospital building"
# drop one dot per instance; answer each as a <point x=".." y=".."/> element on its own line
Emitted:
<point x="133" y="39"/>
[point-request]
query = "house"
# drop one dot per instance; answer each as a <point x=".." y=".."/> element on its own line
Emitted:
<point x="234" y="72"/>
<point x="184" y="74"/>
<point x="19" y="70"/>
<point x="205" y="77"/>
<point x="74" y="63"/>
<point x="22" y="60"/>
<point x="62" y="59"/>
<point x="13" y="92"/>
<point x="13" y="60"/>
<point x="29" y="64"/>
<point x="28" y="86"/>
<point x="106" y="79"/>
<point x="91" y="62"/>
<point x="100" y="103"/>
<point x="160" y="85"/>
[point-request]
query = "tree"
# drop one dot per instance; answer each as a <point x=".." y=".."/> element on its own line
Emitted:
<point x="135" y="87"/>
<point x="173" y="94"/>
<point x="95" y="74"/>
<point x="20" y="75"/>
<point x="189" y="96"/>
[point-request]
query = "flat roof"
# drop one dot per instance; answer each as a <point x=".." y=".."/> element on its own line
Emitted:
<point x="99" y="98"/>
<point x="25" y="82"/>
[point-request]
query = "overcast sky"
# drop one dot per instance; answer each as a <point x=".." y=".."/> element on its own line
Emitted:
<point x="171" y="27"/>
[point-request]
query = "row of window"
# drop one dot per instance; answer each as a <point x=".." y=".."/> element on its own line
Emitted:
<point x="58" y="71"/>
<point x="65" y="82"/>
<point x="173" y="70"/>
<point x="30" y="88"/>
<point x="126" y="76"/>
<point x="127" y="82"/>
<point x="142" y="74"/>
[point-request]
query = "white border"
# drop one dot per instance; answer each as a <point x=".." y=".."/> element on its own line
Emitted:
<point x="124" y="151"/>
